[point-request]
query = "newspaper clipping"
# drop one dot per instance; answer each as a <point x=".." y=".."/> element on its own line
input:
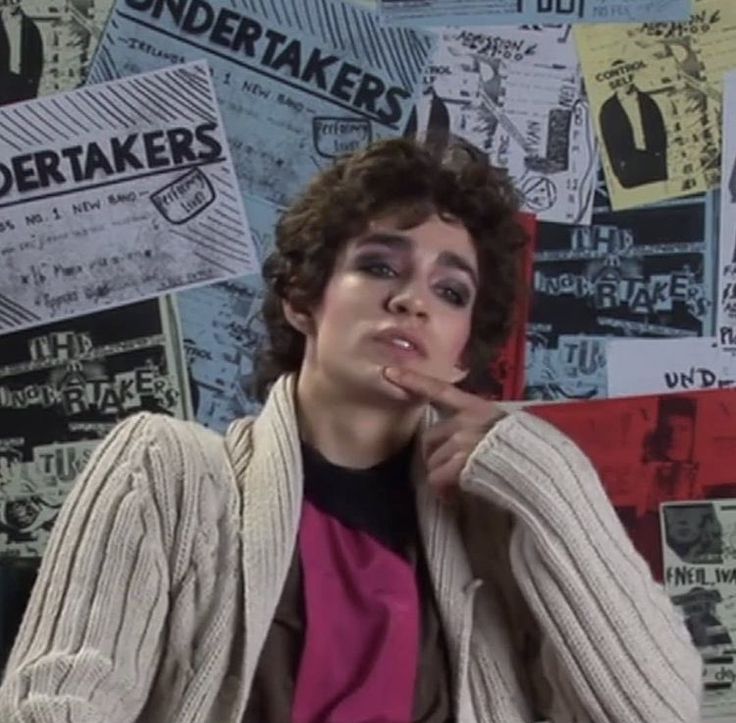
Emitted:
<point x="641" y="273"/>
<point x="654" y="449"/>
<point x="699" y="544"/>
<point x="517" y="94"/>
<point x="655" y="90"/>
<point x="114" y="193"/>
<point x="63" y="386"/>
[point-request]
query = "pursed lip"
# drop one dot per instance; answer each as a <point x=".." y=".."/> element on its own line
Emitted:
<point x="394" y="332"/>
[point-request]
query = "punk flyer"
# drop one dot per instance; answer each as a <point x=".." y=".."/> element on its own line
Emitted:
<point x="63" y="386"/>
<point x="46" y="45"/>
<point x="645" y="272"/>
<point x="114" y="193"/>
<point x="699" y="547"/>
<point x="517" y="94"/>
<point x="656" y="93"/>
<point x="726" y="322"/>
<point x="522" y="12"/>
<point x="222" y="328"/>
<point x="653" y="449"/>
<point x="297" y="86"/>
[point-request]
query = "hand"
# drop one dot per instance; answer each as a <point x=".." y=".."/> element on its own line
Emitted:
<point x="447" y="445"/>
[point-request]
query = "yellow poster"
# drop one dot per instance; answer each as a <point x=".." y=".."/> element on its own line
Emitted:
<point x="656" y="94"/>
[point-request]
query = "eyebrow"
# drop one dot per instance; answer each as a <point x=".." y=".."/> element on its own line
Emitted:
<point x="448" y="259"/>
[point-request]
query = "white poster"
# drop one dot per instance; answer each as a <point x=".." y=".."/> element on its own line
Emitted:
<point x="658" y="366"/>
<point x="114" y="193"/>
<point x="699" y="544"/>
<point x="726" y="311"/>
<point x="517" y="94"/>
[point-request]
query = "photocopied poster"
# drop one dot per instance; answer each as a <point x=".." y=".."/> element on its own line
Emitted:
<point x="297" y="86"/>
<point x="726" y="322"/>
<point x="47" y="45"/>
<point x="520" y="12"/>
<point x="699" y="545"/>
<point x="655" y="90"/>
<point x="116" y="192"/>
<point x="63" y="386"/>
<point x="222" y="329"/>
<point x="653" y="449"/>
<point x="659" y="366"/>
<point x="517" y="94"/>
<point x="645" y="272"/>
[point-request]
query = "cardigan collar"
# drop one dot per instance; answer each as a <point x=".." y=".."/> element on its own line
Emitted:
<point x="266" y="458"/>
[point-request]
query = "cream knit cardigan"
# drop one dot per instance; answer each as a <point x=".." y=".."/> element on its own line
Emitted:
<point x="166" y="563"/>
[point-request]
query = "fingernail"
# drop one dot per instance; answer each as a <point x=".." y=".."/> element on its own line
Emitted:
<point x="391" y="371"/>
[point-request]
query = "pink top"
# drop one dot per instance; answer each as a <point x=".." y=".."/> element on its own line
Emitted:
<point x="359" y="660"/>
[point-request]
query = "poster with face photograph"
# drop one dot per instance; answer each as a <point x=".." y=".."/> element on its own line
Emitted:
<point x="699" y="547"/>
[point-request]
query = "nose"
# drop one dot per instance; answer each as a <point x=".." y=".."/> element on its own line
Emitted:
<point x="409" y="299"/>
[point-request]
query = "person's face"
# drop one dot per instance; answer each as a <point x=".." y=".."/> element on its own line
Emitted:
<point x="678" y="437"/>
<point x="687" y="523"/>
<point x="21" y="512"/>
<point x="395" y="297"/>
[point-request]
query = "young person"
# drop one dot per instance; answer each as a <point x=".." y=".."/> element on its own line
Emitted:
<point x="379" y="544"/>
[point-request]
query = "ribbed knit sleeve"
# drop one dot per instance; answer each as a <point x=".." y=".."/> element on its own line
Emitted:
<point x="614" y="649"/>
<point x="91" y="636"/>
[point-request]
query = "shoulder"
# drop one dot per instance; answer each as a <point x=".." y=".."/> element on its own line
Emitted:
<point x="181" y="467"/>
<point x="179" y="442"/>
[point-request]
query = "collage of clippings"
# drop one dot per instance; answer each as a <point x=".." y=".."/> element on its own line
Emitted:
<point x="148" y="149"/>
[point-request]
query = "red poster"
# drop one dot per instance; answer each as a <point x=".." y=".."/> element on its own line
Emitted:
<point x="654" y="449"/>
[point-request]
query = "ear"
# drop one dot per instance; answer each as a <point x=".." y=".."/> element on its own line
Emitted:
<point x="299" y="320"/>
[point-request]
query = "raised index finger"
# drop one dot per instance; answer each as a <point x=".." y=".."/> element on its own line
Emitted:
<point x="433" y="389"/>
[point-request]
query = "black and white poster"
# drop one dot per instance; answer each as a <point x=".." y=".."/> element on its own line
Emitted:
<point x="645" y="272"/>
<point x="47" y="45"/>
<point x="699" y="544"/>
<point x="63" y="387"/>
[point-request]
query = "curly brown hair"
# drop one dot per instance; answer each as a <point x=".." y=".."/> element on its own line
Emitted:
<point x="413" y="180"/>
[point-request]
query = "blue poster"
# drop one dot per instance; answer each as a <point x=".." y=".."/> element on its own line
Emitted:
<point x="298" y="83"/>
<point x="520" y="12"/>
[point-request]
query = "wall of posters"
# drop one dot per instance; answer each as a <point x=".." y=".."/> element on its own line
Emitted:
<point x="63" y="386"/>
<point x="699" y="546"/>
<point x="517" y="94"/>
<point x="655" y="90"/>
<point x="646" y="272"/>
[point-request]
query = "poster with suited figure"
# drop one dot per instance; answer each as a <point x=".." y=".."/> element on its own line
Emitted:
<point x="46" y="45"/>
<point x="656" y="96"/>
<point x="21" y="53"/>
